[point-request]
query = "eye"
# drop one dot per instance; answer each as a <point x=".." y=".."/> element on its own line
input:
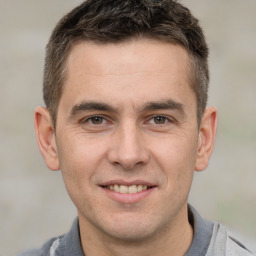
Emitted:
<point x="159" y="120"/>
<point x="96" y="120"/>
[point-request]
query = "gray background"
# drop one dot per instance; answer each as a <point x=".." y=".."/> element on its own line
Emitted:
<point x="33" y="202"/>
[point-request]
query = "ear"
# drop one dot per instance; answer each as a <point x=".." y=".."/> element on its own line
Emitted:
<point x="46" y="138"/>
<point x="206" y="138"/>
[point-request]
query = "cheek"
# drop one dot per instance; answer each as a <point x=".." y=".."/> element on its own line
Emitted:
<point x="79" y="161"/>
<point x="78" y="152"/>
<point x="77" y="166"/>
<point x="176" y="157"/>
<point x="176" y="150"/>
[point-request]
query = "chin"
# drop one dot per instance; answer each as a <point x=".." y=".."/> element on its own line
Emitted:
<point x="131" y="235"/>
<point x="132" y="229"/>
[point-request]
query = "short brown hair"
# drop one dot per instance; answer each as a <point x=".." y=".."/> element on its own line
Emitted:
<point x="114" y="21"/>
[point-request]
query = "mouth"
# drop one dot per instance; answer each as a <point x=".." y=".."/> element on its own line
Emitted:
<point x="128" y="192"/>
<point x="124" y="189"/>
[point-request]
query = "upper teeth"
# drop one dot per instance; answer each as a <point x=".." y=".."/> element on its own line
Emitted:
<point x="127" y="189"/>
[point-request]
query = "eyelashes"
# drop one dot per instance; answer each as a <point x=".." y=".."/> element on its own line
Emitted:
<point x="159" y="120"/>
<point x="96" y="120"/>
<point x="99" y="120"/>
<point x="104" y="123"/>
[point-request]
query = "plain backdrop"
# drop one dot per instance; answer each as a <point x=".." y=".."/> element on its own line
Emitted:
<point x="34" y="205"/>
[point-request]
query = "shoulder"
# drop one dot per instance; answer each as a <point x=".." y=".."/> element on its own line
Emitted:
<point x="65" y="245"/>
<point x="224" y="244"/>
<point x="45" y="250"/>
<point x="235" y="247"/>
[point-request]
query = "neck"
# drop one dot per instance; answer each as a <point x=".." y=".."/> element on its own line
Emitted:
<point x="174" y="240"/>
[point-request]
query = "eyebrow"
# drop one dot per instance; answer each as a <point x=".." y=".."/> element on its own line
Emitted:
<point x="169" y="104"/>
<point x="88" y="106"/>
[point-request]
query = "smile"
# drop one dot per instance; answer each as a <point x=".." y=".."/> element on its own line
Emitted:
<point x="128" y="192"/>
<point x="127" y="189"/>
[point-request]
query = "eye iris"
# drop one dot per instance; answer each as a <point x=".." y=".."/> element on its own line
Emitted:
<point x="159" y="119"/>
<point x="97" y="120"/>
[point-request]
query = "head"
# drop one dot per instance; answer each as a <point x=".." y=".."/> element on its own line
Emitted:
<point x="125" y="88"/>
<point x="116" y="21"/>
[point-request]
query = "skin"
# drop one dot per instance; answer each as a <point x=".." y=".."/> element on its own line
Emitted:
<point x="128" y="116"/>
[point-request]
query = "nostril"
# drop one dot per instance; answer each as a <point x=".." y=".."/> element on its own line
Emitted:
<point x="128" y="150"/>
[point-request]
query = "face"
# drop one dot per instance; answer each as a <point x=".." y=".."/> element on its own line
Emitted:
<point x="127" y="137"/>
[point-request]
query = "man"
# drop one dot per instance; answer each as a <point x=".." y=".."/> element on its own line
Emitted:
<point x="125" y="88"/>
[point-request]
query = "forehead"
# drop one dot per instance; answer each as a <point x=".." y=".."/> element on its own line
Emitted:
<point x="138" y="69"/>
<point x="119" y="58"/>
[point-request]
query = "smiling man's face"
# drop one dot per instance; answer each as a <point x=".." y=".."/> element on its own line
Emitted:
<point x="127" y="137"/>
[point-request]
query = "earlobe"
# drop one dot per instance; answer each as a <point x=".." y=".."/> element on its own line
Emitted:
<point x="206" y="138"/>
<point x="46" y="137"/>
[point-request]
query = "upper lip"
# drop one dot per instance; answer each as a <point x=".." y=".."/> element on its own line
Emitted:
<point x="127" y="183"/>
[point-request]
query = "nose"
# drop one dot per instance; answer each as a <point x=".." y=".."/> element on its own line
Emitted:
<point x="127" y="148"/>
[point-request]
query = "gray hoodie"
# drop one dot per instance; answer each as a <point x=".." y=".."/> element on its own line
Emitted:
<point x="210" y="239"/>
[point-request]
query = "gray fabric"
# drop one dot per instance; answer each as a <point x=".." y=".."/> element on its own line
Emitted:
<point x="210" y="239"/>
<point x="222" y="244"/>
<point x="202" y="233"/>
<point x="65" y="245"/>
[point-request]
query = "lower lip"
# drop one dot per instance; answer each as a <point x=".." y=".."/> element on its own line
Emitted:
<point x="127" y="198"/>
